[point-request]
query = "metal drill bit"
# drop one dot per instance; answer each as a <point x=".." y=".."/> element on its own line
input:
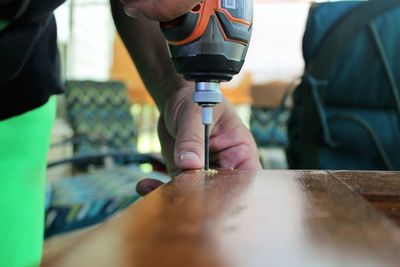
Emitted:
<point x="206" y="147"/>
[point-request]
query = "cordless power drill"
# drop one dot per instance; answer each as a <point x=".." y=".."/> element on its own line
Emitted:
<point x="208" y="45"/>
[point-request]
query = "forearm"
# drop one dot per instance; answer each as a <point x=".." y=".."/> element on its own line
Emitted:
<point x="148" y="48"/>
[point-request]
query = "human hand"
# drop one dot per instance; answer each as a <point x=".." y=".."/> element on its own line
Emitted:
<point x="182" y="139"/>
<point x="160" y="10"/>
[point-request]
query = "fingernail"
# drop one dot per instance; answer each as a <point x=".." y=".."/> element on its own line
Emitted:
<point x="189" y="156"/>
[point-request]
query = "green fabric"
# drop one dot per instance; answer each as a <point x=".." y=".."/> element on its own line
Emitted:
<point x="3" y="24"/>
<point x="24" y="141"/>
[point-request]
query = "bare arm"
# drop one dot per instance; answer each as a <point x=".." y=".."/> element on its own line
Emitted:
<point x="148" y="47"/>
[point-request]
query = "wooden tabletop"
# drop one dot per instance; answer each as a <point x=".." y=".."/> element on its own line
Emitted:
<point x="233" y="219"/>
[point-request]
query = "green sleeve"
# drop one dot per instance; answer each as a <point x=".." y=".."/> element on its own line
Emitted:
<point x="24" y="141"/>
<point x="3" y="24"/>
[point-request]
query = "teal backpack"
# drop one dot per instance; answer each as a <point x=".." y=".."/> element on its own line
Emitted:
<point x="346" y="111"/>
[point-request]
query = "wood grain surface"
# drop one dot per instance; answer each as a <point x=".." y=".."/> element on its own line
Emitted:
<point x="268" y="218"/>
<point x="381" y="189"/>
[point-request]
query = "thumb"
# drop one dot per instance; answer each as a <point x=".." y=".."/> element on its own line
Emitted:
<point x="146" y="186"/>
<point x="189" y="139"/>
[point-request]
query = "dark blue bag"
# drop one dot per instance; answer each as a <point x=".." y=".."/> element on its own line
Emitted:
<point x="346" y="112"/>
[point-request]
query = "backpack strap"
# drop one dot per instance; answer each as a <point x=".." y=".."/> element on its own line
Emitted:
<point x="319" y="70"/>
<point x="343" y="31"/>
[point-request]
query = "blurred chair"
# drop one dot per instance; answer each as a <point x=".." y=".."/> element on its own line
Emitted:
<point x="269" y="115"/>
<point x="100" y="118"/>
<point x="268" y="126"/>
<point x="105" y="157"/>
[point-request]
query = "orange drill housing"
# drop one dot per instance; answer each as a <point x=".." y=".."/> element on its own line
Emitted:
<point x="205" y="10"/>
<point x="210" y="42"/>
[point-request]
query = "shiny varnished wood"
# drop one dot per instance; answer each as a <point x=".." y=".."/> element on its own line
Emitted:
<point x="268" y="218"/>
<point x="381" y="189"/>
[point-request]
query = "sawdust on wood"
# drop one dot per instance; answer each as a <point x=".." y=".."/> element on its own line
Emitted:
<point x="210" y="172"/>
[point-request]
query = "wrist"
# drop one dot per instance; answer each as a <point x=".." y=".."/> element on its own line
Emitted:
<point x="163" y="87"/>
<point x="175" y="95"/>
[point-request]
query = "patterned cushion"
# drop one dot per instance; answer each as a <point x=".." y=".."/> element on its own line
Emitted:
<point x="268" y="127"/>
<point x="100" y="117"/>
<point x="84" y="200"/>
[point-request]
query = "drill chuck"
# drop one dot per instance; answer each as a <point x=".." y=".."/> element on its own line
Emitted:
<point x="207" y="93"/>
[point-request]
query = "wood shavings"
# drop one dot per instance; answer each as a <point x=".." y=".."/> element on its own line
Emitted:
<point x="210" y="172"/>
